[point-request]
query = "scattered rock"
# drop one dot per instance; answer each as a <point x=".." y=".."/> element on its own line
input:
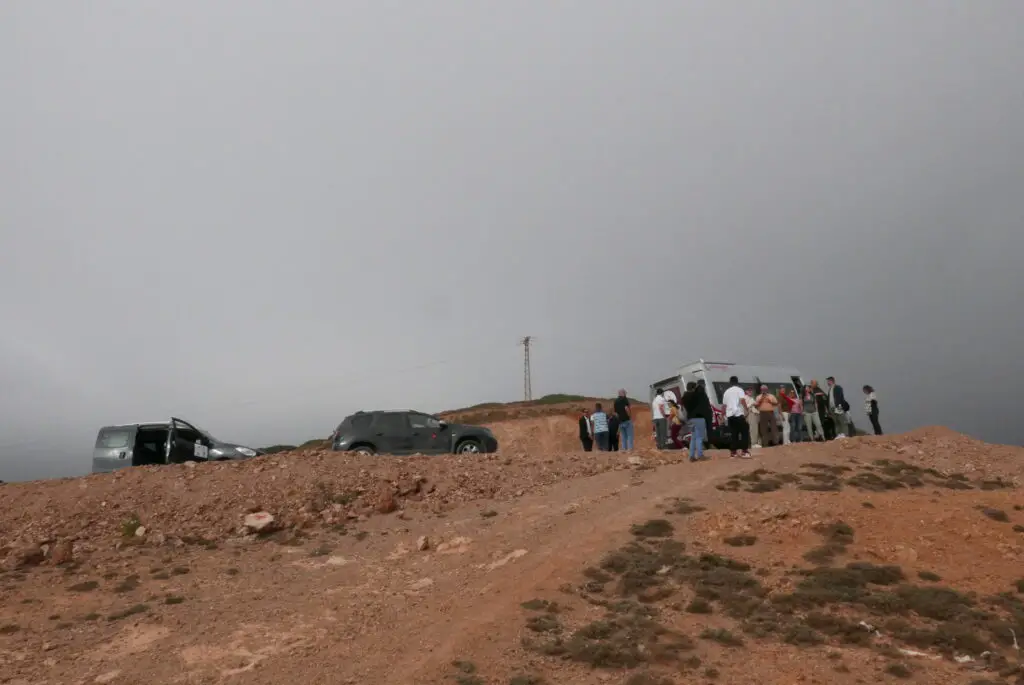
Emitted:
<point x="571" y="509"/>
<point x="422" y="543"/>
<point x="190" y="464"/>
<point x="260" y="522"/>
<point x="635" y="461"/>
<point x="27" y="555"/>
<point x="421" y="584"/>
<point x="408" y="486"/>
<point x="454" y="546"/>
<point x="386" y="502"/>
<point x="242" y="540"/>
<point x="140" y="532"/>
<point x="62" y="553"/>
<point x="905" y="555"/>
<point x="511" y="556"/>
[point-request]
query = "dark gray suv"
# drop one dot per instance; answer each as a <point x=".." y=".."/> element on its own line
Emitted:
<point x="409" y="432"/>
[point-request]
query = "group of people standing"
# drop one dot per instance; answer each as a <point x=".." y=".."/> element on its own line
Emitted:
<point x="825" y="415"/>
<point x="760" y="420"/>
<point x="610" y="432"/>
<point x="669" y="414"/>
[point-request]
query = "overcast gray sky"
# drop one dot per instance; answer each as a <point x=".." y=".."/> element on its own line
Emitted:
<point x="260" y="215"/>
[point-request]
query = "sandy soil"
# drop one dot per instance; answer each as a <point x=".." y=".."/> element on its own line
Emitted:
<point x="415" y="570"/>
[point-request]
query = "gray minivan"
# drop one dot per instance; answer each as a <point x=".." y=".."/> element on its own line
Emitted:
<point x="160" y="442"/>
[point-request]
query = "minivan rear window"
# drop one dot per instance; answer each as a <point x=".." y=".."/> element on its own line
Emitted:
<point x="113" y="438"/>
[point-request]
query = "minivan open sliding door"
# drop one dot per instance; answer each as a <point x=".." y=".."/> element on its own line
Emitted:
<point x="185" y="443"/>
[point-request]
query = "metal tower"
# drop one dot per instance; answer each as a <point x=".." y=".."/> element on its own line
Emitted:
<point x="527" y="391"/>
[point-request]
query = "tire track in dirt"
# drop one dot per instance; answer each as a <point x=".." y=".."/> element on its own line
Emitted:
<point x="476" y="615"/>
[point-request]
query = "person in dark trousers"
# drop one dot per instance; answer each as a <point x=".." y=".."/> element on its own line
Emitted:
<point x="871" y="408"/>
<point x="599" y="422"/>
<point x="625" y="415"/>
<point x="735" y="401"/>
<point x="659" y="413"/>
<point x="586" y="432"/>
<point x="613" y="432"/>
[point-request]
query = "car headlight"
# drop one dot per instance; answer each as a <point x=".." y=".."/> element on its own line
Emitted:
<point x="245" y="451"/>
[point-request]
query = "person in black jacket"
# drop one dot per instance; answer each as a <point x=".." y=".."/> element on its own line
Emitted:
<point x="704" y="404"/>
<point x="586" y="431"/>
<point x="838" y="406"/>
<point x="613" y="432"/>
<point x="698" y="417"/>
<point x="871" y="408"/>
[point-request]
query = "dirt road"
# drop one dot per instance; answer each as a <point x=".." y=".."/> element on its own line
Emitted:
<point x="359" y="602"/>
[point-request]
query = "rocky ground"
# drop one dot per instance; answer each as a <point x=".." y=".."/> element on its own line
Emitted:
<point x="866" y="560"/>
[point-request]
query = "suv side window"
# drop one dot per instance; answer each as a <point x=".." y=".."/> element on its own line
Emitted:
<point x="423" y="421"/>
<point x="359" y="421"/>
<point x="189" y="435"/>
<point x="391" y="423"/>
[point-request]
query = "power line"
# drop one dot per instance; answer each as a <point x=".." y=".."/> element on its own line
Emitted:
<point x="527" y="390"/>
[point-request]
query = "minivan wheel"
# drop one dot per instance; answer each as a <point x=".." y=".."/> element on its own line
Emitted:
<point x="468" y="447"/>
<point x="364" y="449"/>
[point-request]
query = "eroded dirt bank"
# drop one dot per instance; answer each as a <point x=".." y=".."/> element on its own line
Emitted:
<point x="870" y="560"/>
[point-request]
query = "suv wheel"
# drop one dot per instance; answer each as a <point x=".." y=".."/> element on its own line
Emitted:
<point x="468" y="447"/>
<point x="364" y="449"/>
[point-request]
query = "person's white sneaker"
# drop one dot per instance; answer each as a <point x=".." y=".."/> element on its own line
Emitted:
<point x="841" y="435"/>
<point x="757" y="447"/>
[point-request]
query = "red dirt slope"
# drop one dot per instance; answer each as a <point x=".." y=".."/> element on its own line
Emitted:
<point x="530" y="566"/>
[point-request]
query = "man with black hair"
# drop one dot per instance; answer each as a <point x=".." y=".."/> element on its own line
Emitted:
<point x="735" y="400"/>
<point x="625" y="416"/>
<point x="698" y="416"/>
<point x="599" y="421"/>
<point x="586" y="431"/>
<point x="838" y="406"/>
<point x="659" y="410"/>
